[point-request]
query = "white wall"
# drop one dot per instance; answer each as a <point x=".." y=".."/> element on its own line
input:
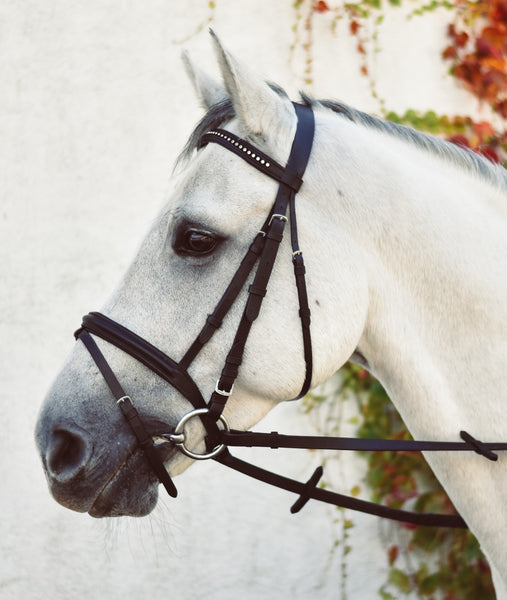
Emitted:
<point x="93" y="111"/>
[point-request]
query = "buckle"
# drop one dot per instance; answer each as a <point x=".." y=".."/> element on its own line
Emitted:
<point x="277" y="216"/>
<point x="221" y="392"/>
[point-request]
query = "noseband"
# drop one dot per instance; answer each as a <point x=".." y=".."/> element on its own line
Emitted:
<point x="262" y="252"/>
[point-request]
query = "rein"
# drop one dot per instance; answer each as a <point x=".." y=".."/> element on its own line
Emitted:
<point x="262" y="252"/>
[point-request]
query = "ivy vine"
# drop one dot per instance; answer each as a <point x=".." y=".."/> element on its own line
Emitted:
<point x="445" y="560"/>
<point x="476" y="53"/>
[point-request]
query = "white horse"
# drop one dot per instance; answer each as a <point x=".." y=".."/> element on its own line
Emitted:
<point x="405" y="241"/>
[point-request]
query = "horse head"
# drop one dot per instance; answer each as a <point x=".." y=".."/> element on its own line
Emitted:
<point x="91" y="458"/>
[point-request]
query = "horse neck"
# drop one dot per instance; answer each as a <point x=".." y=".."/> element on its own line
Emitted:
<point x="434" y="246"/>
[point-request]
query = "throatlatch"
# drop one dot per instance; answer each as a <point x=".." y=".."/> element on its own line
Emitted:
<point x="262" y="252"/>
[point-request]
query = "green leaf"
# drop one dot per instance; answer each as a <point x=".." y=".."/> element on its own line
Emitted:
<point x="426" y="538"/>
<point x="430" y="584"/>
<point x="401" y="580"/>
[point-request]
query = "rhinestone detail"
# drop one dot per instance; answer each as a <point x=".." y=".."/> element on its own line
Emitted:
<point x="237" y="144"/>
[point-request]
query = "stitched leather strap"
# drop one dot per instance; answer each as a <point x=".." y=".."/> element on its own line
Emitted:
<point x="255" y="157"/>
<point x="296" y="166"/>
<point x="130" y="413"/>
<point x="274" y="439"/>
<point x="214" y="321"/>
<point x="305" y="492"/>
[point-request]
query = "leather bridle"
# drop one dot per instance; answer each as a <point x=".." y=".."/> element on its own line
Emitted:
<point x="262" y="252"/>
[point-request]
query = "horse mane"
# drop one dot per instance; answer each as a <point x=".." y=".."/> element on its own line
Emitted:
<point x="460" y="156"/>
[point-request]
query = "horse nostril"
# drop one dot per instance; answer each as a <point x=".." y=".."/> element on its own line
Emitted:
<point x="67" y="454"/>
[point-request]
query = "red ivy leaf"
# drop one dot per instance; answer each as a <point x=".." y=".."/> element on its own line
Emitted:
<point x="354" y="27"/>
<point x="321" y="6"/>
<point x="486" y="49"/>
<point x="460" y="37"/>
<point x="450" y="52"/>
<point x="409" y="526"/>
<point x="495" y="36"/>
<point x="501" y="107"/>
<point x="489" y="153"/>
<point x="498" y="11"/>
<point x="459" y="140"/>
<point x="483" y="130"/>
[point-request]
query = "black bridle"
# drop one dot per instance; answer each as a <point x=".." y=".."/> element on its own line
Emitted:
<point x="262" y="252"/>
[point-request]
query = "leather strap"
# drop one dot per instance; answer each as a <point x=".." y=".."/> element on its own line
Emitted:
<point x="140" y="349"/>
<point x="255" y="157"/>
<point x="130" y="413"/>
<point x="293" y="172"/>
<point x="309" y="490"/>
<point x="214" y="320"/>
<point x="274" y="439"/>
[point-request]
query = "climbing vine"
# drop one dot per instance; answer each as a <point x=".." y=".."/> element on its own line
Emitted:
<point x="444" y="560"/>
<point x="478" y="50"/>
<point x="476" y="53"/>
<point x="479" y="136"/>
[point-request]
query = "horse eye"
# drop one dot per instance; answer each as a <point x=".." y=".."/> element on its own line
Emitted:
<point x="197" y="242"/>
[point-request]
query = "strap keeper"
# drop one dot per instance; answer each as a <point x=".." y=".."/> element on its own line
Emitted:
<point x="299" y="269"/>
<point x="230" y="372"/>
<point x="258" y="244"/>
<point x="275" y="436"/>
<point x="478" y="446"/>
<point x="305" y="316"/>
<point x="306" y="493"/>
<point x="292" y="180"/>
<point x="257" y="291"/>
<point x="215" y="408"/>
<point x="233" y="360"/>
<point x="213" y="321"/>
<point x="298" y="262"/>
<point x="273" y="235"/>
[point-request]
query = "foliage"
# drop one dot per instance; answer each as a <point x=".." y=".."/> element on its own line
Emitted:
<point x="479" y="136"/>
<point x="354" y="13"/>
<point x="478" y="51"/>
<point x="403" y="480"/>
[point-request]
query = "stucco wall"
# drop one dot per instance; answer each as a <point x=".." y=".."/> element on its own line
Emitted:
<point x="94" y="108"/>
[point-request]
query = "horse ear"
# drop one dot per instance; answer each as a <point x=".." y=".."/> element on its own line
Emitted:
<point x="209" y="91"/>
<point x="259" y="108"/>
